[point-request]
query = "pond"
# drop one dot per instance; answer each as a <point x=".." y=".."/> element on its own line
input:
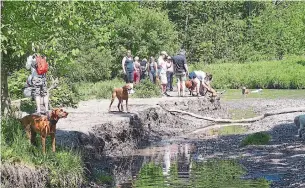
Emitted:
<point x="178" y="164"/>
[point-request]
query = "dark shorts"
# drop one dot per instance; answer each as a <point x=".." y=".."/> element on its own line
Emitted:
<point x="39" y="87"/>
<point x="129" y="77"/>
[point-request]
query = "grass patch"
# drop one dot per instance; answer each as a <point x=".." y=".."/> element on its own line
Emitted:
<point x="103" y="90"/>
<point x="146" y="89"/>
<point x="232" y="94"/>
<point x="99" y="90"/>
<point x="259" y="138"/>
<point x="284" y="74"/>
<point x="228" y="130"/>
<point x="66" y="166"/>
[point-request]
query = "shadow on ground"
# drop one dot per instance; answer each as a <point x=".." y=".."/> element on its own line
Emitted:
<point x="282" y="158"/>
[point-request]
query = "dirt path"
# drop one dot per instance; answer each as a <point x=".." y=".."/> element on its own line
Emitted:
<point x="95" y="112"/>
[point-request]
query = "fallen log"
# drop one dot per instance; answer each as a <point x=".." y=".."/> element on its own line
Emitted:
<point x="249" y="120"/>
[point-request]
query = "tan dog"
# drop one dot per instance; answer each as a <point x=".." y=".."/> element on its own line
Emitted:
<point x="245" y="91"/>
<point x="34" y="124"/>
<point x="121" y="94"/>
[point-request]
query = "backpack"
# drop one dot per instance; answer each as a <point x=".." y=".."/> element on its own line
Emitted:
<point x="28" y="87"/>
<point x="42" y="65"/>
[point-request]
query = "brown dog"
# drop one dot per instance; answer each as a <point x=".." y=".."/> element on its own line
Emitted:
<point x="34" y="124"/>
<point x="121" y="94"/>
<point x="245" y="91"/>
<point x="190" y="85"/>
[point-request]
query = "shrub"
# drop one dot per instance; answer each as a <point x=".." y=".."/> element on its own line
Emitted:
<point x="146" y="89"/>
<point x="259" y="138"/>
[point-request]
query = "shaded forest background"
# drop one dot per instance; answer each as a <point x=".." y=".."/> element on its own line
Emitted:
<point x="85" y="41"/>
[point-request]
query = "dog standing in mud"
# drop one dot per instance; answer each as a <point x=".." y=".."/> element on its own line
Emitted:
<point x="245" y="91"/>
<point x="299" y="121"/>
<point x="122" y="94"/>
<point x="44" y="126"/>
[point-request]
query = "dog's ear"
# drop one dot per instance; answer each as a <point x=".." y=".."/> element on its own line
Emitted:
<point x="54" y="114"/>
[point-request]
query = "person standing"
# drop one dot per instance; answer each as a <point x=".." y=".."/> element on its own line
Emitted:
<point x="39" y="67"/>
<point x="143" y="65"/>
<point x="152" y="69"/>
<point x="162" y="62"/>
<point x="169" y="73"/>
<point x="137" y="70"/>
<point x="181" y="70"/>
<point x="128" y="69"/>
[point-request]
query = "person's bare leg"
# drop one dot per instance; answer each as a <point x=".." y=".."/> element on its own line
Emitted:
<point x="46" y="102"/>
<point x="178" y="86"/>
<point x="183" y="88"/>
<point x="37" y="100"/>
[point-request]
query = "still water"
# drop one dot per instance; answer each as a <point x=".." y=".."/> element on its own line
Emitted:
<point x="177" y="164"/>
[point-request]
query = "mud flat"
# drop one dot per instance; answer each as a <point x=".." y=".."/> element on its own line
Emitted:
<point x="111" y="141"/>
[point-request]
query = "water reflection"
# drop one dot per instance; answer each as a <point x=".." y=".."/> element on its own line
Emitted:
<point x="176" y="165"/>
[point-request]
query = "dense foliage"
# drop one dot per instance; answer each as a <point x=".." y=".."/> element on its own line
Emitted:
<point x="85" y="41"/>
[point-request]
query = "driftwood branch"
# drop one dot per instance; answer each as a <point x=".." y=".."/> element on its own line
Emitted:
<point x="249" y="120"/>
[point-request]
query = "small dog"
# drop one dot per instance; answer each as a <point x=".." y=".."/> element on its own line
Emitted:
<point x="121" y="94"/>
<point x="34" y="124"/>
<point x="299" y="121"/>
<point x="190" y="85"/>
<point x="245" y="91"/>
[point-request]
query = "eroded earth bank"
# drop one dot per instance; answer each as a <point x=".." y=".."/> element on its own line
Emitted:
<point x="118" y="144"/>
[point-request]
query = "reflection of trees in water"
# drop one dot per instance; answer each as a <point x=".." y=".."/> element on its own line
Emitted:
<point x="213" y="173"/>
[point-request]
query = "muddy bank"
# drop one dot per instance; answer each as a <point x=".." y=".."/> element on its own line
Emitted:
<point x="109" y="141"/>
<point x="110" y="146"/>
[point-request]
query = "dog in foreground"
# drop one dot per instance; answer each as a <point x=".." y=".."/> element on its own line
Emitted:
<point x="299" y="121"/>
<point x="43" y="125"/>
<point x="122" y="94"/>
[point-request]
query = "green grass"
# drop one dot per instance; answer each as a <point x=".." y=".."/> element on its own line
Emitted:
<point x="146" y="89"/>
<point x="259" y="138"/>
<point x="66" y="168"/>
<point x="265" y="94"/>
<point x="284" y="74"/>
<point x="228" y="130"/>
<point x="103" y="90"/>
<point x="99" y="90"/>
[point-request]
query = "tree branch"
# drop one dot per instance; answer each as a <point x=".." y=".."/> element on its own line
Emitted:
<point x="249" y="120"/>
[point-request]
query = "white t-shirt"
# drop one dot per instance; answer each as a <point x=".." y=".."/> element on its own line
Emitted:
<point x="200" y="75"/>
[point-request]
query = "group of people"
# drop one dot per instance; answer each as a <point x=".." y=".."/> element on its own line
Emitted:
<point x="162" y="71"/>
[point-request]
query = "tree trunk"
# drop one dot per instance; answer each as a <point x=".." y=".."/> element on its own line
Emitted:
<point x="5" y="100"/>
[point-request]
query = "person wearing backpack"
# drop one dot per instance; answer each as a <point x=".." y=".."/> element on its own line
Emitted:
<point x="39" y="67"/>
<point x="181" y="70"/>
<point x="143" y="65"/>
